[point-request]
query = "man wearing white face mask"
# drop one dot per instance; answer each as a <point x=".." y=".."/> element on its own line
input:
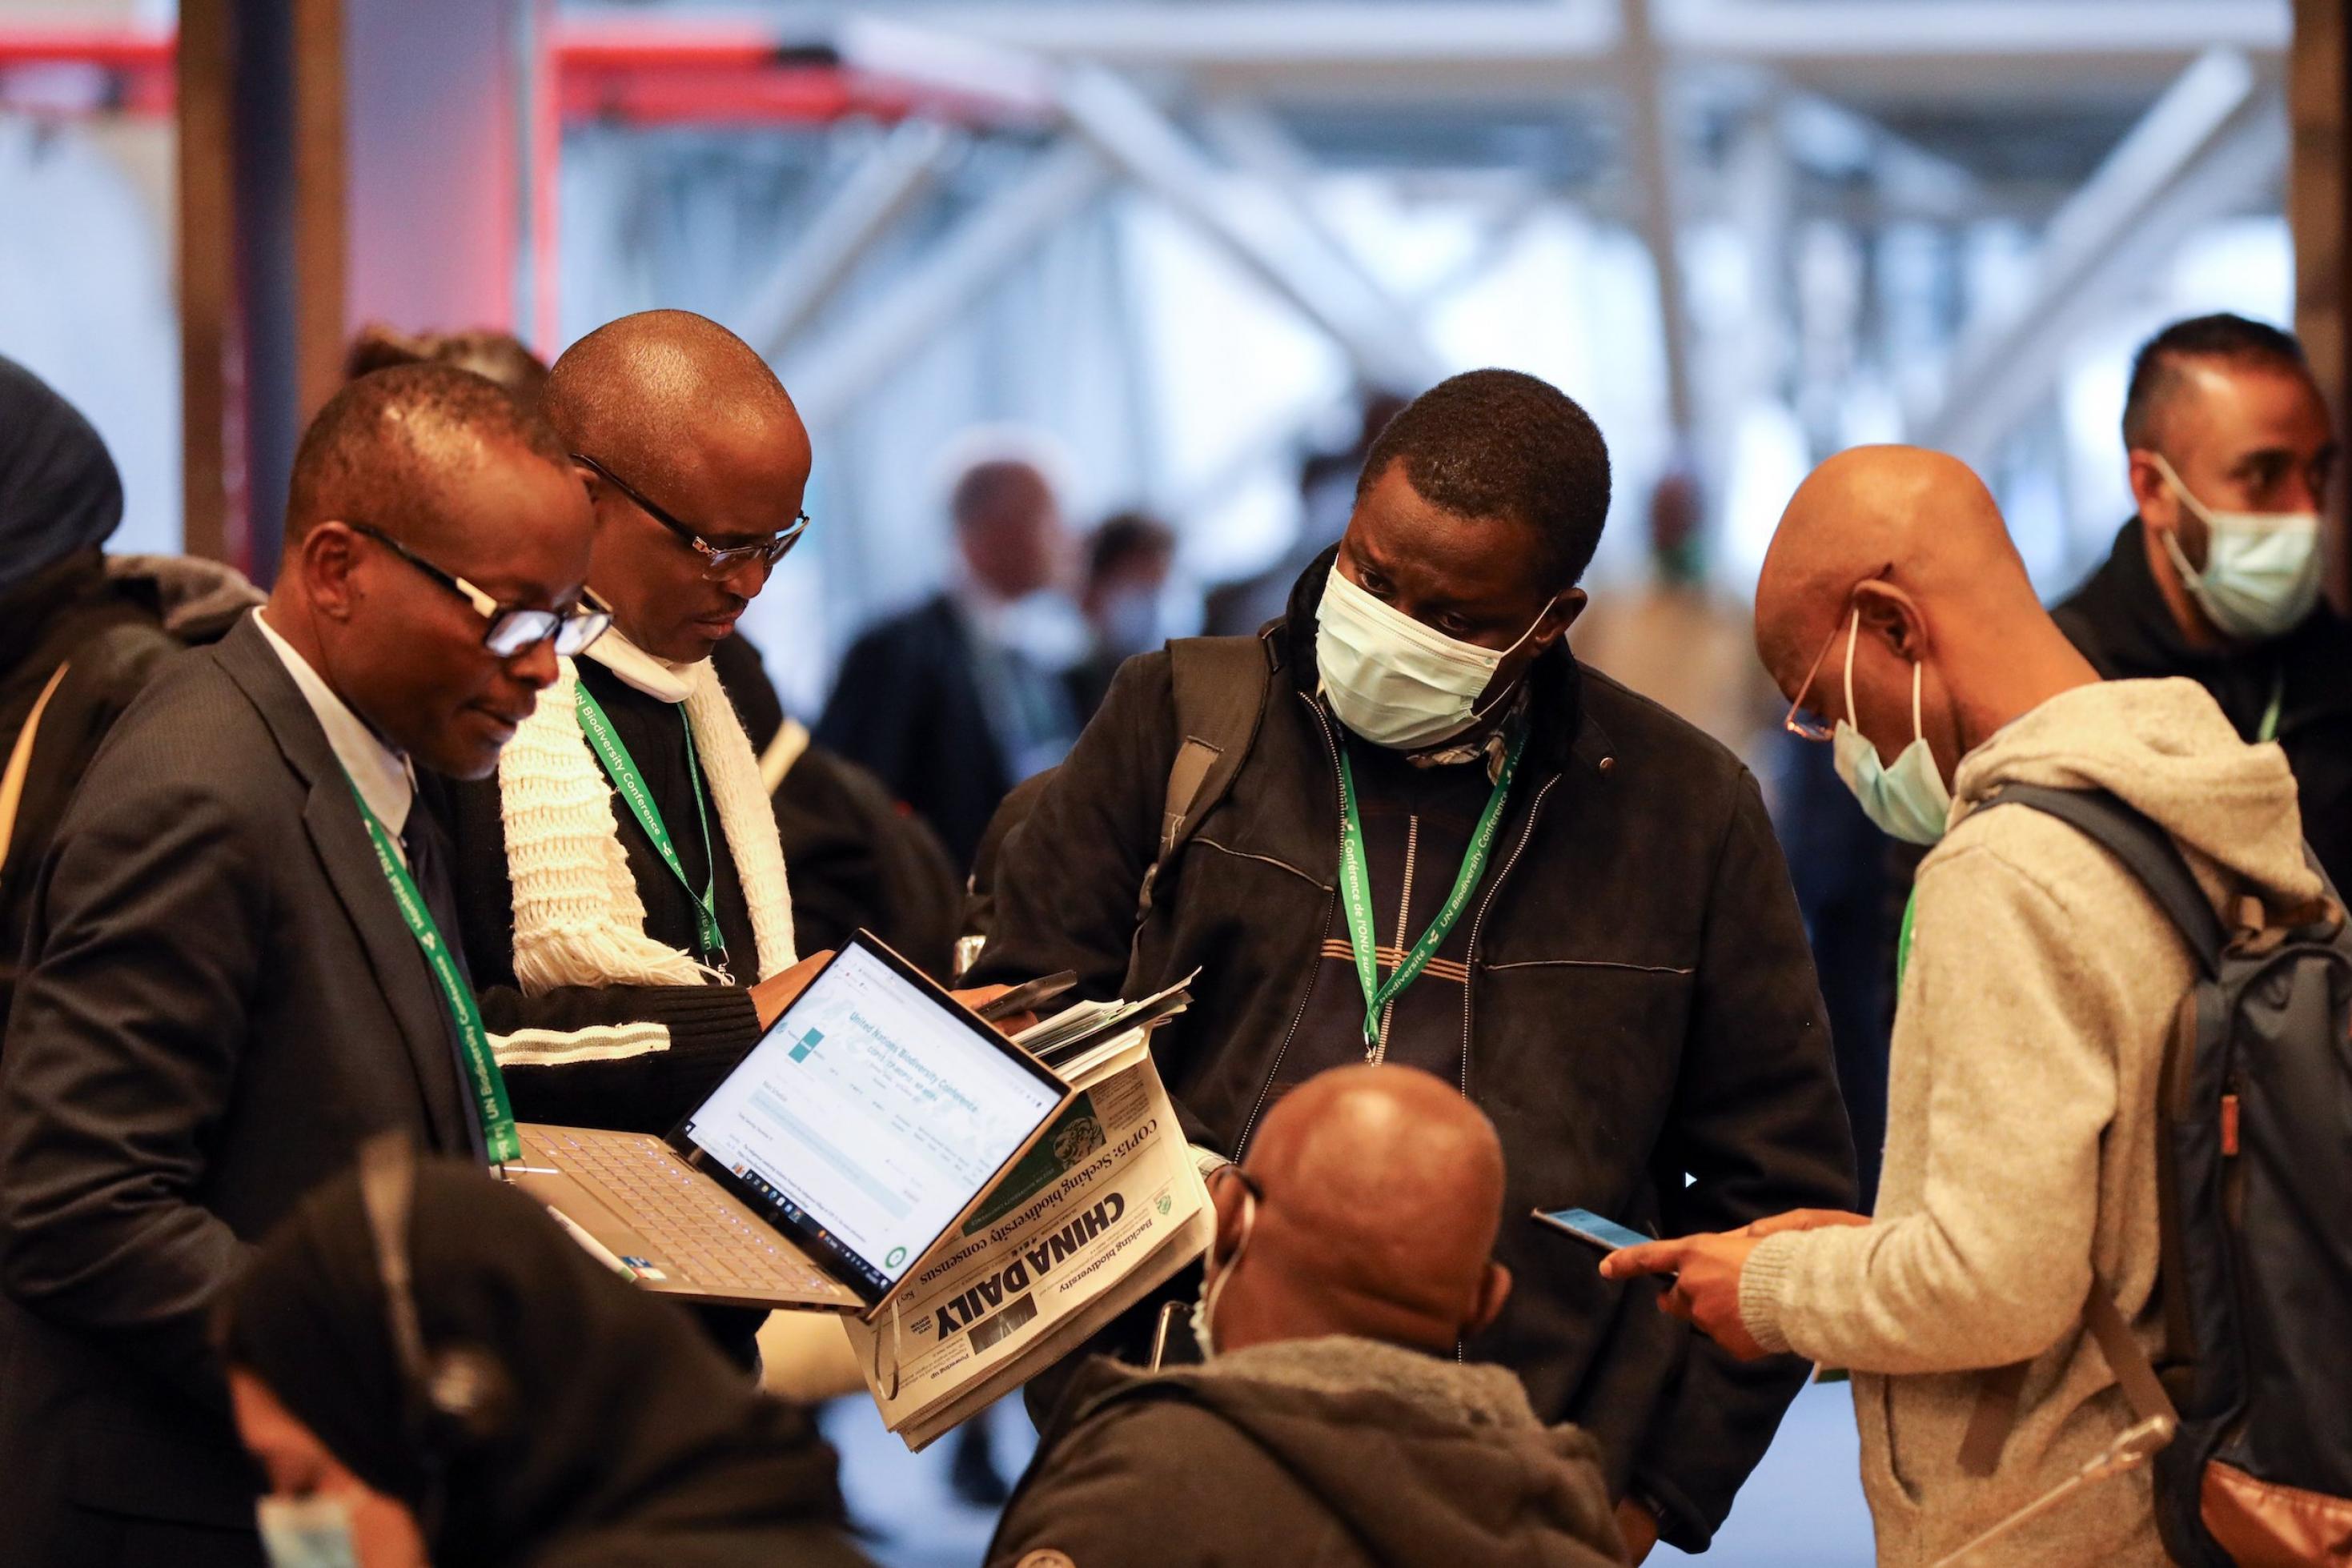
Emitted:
<point x="2038" y="984"/>
<point x="1440" y="843"/>
<point x="2219" y="576"/>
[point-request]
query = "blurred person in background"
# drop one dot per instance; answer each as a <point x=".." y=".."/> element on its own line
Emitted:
<point x="242" y="948"/>
<point x="1130" y="578"/>
<point x="1332" y="1422"/>
<point x="1446" y="844"/>
<point x="858" y="857"/>
<point x="426" y="1370"/>
<point x="954" y="701"/>
<point x="2219" y="576"/>
<point x="485" y="350"/>
<point x="81" y="632"/>
<point x="1326" y="495"/>
<point x="1674" y="640"/>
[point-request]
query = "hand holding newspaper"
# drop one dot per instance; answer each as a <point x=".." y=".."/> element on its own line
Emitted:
<point x="1106" y="1207"/>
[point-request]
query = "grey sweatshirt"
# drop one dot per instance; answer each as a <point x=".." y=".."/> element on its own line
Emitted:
<point x="2022" y="1125"/>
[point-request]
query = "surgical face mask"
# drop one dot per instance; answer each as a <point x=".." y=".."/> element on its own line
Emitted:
<point x="1907" y="800"/>
<point x="1390" y="679"/>
<point x="2262" y="569"/>
<point x="1204" y="1303"/>
<point x="306" y="1533"/>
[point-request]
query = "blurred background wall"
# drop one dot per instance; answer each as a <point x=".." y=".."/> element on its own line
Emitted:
<point x="1188" y="238"/>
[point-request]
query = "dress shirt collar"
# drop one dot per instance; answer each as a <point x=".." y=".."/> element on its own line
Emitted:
<point x="380" y="775"/>
<point x="657" y="678"/>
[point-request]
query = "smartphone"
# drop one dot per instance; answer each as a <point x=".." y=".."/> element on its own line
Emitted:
<point x="1027" y="997"/>
<point x="1589" y="1226"/>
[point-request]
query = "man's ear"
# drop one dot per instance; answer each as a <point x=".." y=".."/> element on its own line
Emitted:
<point x="325" y="559"/>
<point x="1493" y="1292"/>
<point x="2159" y="507"/>
<point x="1894" y="617"/>
<point x="1229" y="1197"/>
<point x="1553" y="625"/>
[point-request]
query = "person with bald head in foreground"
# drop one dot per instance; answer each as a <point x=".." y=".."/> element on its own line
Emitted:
<point x="1332" y="1422"/>
<point x="2038" y="986"/>
<point x="238" y="967"/>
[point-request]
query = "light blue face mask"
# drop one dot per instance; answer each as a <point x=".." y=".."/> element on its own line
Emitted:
<point x="306" y="1533"/>
<point x="2262" y="569"/>
<point x="1907" y="800"/>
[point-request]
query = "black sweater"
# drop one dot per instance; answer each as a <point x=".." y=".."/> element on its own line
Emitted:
<point x="710" y="1027"/>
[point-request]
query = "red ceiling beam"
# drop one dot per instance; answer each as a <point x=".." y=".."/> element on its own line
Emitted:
<point x="636" y="74"/>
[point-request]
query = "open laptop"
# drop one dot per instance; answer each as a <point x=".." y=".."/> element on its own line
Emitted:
<point x="872" y="1117"/>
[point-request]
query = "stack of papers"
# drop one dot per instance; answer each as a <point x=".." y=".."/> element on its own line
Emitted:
<point x="1064" y="1041"/>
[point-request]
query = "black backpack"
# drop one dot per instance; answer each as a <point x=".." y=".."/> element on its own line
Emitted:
<point x="2254" y="1197"/>
<point x="1217" y="697"/>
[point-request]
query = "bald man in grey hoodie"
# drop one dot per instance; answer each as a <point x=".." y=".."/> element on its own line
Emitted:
<point x="2038" y="986"/>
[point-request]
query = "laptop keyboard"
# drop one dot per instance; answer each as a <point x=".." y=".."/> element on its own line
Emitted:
<point x="708" y="1242"/>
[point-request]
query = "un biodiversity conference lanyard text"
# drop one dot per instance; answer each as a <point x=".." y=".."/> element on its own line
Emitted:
<point x="1356" y="892"/>
<point x="490" y="1085"/>
<point x="621" y="768"/>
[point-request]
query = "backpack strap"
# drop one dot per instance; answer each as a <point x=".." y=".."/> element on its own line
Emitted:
<point x="2147" y="851"/>
<point x="1995" y="1412"/>
<point x="1219" y="696"/>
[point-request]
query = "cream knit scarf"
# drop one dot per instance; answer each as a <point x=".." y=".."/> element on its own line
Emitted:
<point x="578" y="920"/>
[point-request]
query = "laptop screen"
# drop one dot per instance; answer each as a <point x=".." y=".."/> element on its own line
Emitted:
<point x="869" y="1117"/>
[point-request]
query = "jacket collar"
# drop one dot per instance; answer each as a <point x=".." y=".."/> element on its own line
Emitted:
<point x="2131" y="634"/>
<point x="331" y="817"/>
<point x="1561" y="729"/>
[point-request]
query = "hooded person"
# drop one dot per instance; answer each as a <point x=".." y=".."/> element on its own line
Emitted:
<point x="1332" y="1422"/>
<point x="2036" y="994"/>
<point x="550" y="1415"/>
<point x="80" y="631"/>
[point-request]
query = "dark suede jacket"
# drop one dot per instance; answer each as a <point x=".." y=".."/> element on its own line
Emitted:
<point x="1642" y="1020"/>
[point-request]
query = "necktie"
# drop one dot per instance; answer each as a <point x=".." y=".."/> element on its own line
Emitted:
<point x="429" y="867"/>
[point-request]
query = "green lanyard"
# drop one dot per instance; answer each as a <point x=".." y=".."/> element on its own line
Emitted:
<point x="2269" y="730"/>
<point x="1356" y="892"/>
<point x="1903" y="939"/>
<point x="623" y="771"/>
<point x="490" y="1083"/>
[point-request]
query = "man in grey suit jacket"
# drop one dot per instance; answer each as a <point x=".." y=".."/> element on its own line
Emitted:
<point x="224" y="993"/>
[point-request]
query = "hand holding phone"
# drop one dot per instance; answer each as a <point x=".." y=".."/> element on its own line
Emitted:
<point x="1592" y="1229"/>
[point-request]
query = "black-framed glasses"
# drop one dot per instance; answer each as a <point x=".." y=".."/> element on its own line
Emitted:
<point x="513" y="629"/>
<point x="716" y="562"/>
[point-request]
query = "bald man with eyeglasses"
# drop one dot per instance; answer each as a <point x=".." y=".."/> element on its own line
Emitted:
<point x="621" y="884"/>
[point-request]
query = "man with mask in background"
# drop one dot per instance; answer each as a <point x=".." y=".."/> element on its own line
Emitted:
<point x="1439" y="843"/>
<point x="1126" y="598"/>
<point x="2036" y="992"/>
<point x="1332" y="1424"/>
<point x="2219" y="576"/>
<point x="956" y="700"/>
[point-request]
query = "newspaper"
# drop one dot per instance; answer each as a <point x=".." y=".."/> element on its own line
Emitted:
<point x="1106" y="1207"/>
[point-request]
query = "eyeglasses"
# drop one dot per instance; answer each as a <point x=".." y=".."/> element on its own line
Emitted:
<point x="512" y="630"/>
<point x="717" y="562"/>
<point x="1807" y="725"/>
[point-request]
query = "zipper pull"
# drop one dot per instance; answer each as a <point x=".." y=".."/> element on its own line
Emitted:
<point x="2228" y="1127"/>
